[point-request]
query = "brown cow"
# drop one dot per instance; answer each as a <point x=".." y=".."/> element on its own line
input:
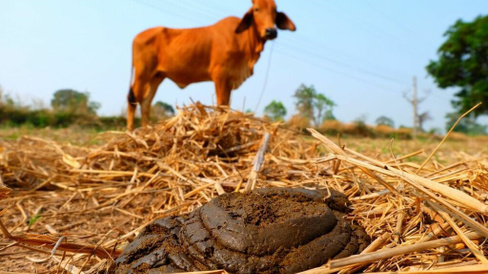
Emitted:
<point x="224" y="53"/>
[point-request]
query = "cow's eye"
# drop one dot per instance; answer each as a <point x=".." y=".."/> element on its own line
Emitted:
<point x="256" y="9"/>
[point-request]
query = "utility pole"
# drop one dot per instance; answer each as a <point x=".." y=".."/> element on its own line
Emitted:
<point x="415" y="101"/>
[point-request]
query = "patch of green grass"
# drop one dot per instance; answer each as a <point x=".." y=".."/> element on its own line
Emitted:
<point x="73" y="135"/>
<point x="34" y="219"/>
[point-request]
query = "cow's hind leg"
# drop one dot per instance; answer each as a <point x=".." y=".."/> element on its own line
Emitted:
<point x="137" y="92"/>
<point x="131" y="109"/>
<point x="152" y="87"/>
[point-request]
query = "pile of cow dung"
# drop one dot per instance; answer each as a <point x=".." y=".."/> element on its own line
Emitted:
<point x="77" y="208"/>
<point x="269" y="230"/>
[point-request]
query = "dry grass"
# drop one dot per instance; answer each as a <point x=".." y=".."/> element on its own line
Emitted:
<point x="74" y="208"/>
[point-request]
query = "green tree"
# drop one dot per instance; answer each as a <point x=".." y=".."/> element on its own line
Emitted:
<point x="275" y="110"/>
<point x="313" y="105"/>
<point x="323" y="108"/>
<point x="6" y="100"/>
<point x="467" y="125"/>
<point x="304" y="100"/>
<point x="384" y="120"/>
<point x="72" y="101"/>
<point x="162" y="109"/>
<point x="463" y="63"/>
<point x="328" y="115"/>
<point x="423" y="117"/>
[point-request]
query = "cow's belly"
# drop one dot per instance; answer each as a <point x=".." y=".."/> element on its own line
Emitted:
<point x="235" y="72"/>
<point x="183" y="79"/>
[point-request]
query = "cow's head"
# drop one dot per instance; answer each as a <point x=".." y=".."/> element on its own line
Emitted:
<point x="263" y="17"/>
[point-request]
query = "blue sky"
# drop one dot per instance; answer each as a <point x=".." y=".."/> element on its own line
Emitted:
<point x="362" y="54"/>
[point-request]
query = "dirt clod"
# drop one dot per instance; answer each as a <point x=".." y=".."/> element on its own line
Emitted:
<point x="275" y="230"/>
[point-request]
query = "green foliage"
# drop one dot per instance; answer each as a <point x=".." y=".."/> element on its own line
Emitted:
<point x="323" y="104"/>
<point x="384" y="120"/>
<point x="304" y="100"/>
<point x="275" y="110"/>
<point x="72" y="101"/>
<point x="34" y="219"/>
<point x="467" y="125"/>
<point x="328" y="115"/>
<point x="40" y="118"/>
<point x="434" y="130"/>
<point x="361" y="128"/>
<point x="14" y="114"/>
<point x="423" y="117"/>
<point x="113" y="122"/>
<point x="6" y="100"/>
<point x="162" y="109"/>
<point x="313" y="105"/>
<point x="463" y="63"/>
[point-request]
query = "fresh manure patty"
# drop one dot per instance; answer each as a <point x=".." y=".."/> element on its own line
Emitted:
<point x="269" y="230"/>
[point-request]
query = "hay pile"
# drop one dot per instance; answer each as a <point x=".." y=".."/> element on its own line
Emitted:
<point x="84" y="204"/>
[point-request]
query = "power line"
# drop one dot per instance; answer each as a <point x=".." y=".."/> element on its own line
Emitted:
<point x="366" y="25"/>
<point x="321" y="66"/>
<point x="315" y="55"/>
<point x="230" y="8"/>
<point x="211" y="12"/>
<point x="166" y="11"/>
<point x="318" y="46"/>
<point x="265" y="78"/>
<point x="208" y="10"/>
<point x="384" y="15"/>
<point x="200" y="10"/>
<point x="373" y="30"/>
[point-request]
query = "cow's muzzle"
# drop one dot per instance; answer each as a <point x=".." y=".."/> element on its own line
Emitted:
<point x="271" y="33"/>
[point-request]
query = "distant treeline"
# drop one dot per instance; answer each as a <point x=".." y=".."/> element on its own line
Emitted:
<point x="68" y="107"/>
<point x="313" y="109"/>
<point x="48" y="118"/>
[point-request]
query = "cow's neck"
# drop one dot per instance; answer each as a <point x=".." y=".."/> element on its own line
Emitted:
<point x="255" y="42"/>
<point x="254" y="45"/>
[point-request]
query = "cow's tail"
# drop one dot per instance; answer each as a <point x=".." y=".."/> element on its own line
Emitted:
<point x="131" y="97"/>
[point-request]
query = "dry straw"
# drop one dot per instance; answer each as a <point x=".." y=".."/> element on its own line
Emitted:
<point x="73" y="209"/>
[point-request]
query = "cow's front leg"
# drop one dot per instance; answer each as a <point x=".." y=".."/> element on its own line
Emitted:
<point x="151" y="89"/>
<point x="222" y="90"/>
<point x="145" y="112"/>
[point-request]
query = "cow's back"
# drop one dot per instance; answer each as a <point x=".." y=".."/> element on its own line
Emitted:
<point x="186" y="55"/>
<point x="192" y="55"/>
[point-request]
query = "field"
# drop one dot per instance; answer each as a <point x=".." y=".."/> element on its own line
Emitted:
<point x="74" y="198"/>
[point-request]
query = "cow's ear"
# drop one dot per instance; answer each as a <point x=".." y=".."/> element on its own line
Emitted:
<point x="246" y="22"/>
<point x="283" y="22"/>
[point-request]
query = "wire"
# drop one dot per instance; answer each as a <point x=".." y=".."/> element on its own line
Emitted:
<point x="212" y="12"/>
<point x="384" y="15"/>
<point x="335" y="71"/>
<point x="200" y="10"/>
<point x="316" y="46"/>
<point x="265" y="78"/>
<point x="207" y="10"/>
<point x="315" y="55"/>
<point x="166" y="11"/>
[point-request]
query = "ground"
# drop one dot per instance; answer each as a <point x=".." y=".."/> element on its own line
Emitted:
<point x="99" y="189"/>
